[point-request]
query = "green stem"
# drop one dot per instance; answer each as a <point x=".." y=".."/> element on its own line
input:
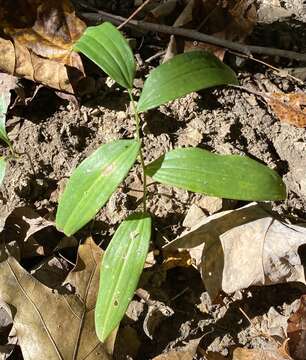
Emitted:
<point x="137" y="136"/>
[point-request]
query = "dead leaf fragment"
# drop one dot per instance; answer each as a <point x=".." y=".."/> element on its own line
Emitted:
<point x="259" y="354"/>
<point x="297" y="332"/>
<point x="185" y="353"/>
<point x="289" y="108"/>
<point x="40" y="48"/>
<point x="55" y="325"/>
<point x="245" y="247"/>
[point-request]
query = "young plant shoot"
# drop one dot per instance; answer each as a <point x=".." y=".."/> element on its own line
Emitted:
<point x="194" y="169"/>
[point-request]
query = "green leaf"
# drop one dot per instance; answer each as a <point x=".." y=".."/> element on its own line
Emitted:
<point x="2" y="169"/>
<point x="106" y="47"/>
<point x="181" y="75"/>
<point x="93" y="182"/>
<point x="226" y="176"/>
<point x="3" y="109"/>
<point x="121" y="268"/>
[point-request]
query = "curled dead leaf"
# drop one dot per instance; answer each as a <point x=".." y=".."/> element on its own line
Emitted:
<point x="40" y="48"/>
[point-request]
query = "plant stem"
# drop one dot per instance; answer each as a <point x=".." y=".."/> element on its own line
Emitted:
<point x="137" y="136"/>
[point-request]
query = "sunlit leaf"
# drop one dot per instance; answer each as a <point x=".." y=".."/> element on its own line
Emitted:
<point x="106" y="47"/>
<point x="92" y="183"/>
<point x="2" y="169"/>
<point x="181" y="75"/>
<point x="121" y="268"/>
<point x="226" y="176"/>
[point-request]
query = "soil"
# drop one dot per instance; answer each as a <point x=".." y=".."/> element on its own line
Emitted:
<point x="56" y="136"/>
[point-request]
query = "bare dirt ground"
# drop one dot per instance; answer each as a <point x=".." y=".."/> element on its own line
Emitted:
<point x="57" y="136"/>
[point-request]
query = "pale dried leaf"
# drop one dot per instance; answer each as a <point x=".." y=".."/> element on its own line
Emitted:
<point x="55" y="325"/>
<point x="244" y="247"/>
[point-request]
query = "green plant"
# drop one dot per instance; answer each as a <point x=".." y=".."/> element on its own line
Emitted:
<point x="194" y="169"/>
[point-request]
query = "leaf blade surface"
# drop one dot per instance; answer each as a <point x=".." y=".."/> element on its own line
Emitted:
<point x="121" y="268"/>
<point x="92" y="183"/>
<point x="107" y="48"/>
<point x="181" y="75"/>
<point x="226" y="176"/>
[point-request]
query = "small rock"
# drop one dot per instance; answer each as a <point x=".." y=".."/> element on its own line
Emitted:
<point x="211" y="204"/>
<point x="193" y="216"/>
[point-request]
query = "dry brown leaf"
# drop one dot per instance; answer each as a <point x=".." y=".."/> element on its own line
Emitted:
<point x="289" y="108"/>
<point x="40" y="48"/>
<point x="237" y="249"/>
<point x="258" y="354"/>
<point x="297" y="332"/>
<point x="186" y="353"/>
<point x="55" y="325"/>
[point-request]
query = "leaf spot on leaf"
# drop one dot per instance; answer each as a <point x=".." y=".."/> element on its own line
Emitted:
<point x="108" y="170"/>
<point x="134" y="234"/>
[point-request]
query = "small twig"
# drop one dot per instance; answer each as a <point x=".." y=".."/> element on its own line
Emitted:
<point x="133" y="14"/>
<point x="179" y="294"/>
<point x="279" y="71"/>
<point x="64" y="258"/>
<point x="99" y="15"/>
<point x="155" y="56"/>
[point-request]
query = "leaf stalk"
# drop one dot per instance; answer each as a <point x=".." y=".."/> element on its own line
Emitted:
<point x="138" y="137"/>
